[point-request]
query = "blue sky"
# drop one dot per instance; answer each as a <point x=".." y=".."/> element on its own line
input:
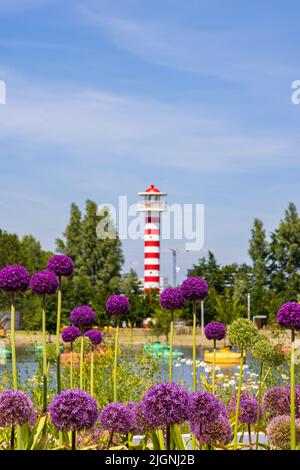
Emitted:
<point x="106" y="97"/>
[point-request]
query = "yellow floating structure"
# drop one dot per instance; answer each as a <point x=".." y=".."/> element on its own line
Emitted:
<point x="223" y="356"/>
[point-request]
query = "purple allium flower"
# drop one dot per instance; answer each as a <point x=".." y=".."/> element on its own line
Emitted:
<point x="289" y="315"/>
<point x="61" y="265"/>
<point x="194" y="288"/>
<point x="279" y="432"/>
<point x="165" y="404"/>
<point x="172" y="298"/>
<point x="213" y="432"/>
<point x="44" y="282"/>
<point x="117" y="305"/>
<point x="215" y="330"/>
<point x="247" y="409"/>
<point x="14" y="279"/>
<point x="117" y="417"/>
<point x="83" y="316"/>
<point x="204" y="407"/>
<point x="276" y="402"/>
<point x="141" y="424"/>
<point x="70" y="333"/>
<point x="73" y="410"/>
<point x="15" y="408"/>
<point x="95" y="336"/>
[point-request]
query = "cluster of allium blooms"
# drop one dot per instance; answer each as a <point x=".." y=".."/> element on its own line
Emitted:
<point x="61" y="265"/>
<point x="14" y="279"/>
<point x="141" y="424"/>
<point x="279" y="432"/>
<point x="215" y="330"/>
<point x="242" y="334"/>
<point x="95" y="336"/>
<point x="289" y="315"/>
<point x="44" y="282"/>
<point x="171" y="298"/>
<point x="15" y="408"/>
<point x="82" y="317"/>
<point x="218" y="431"/>
<point x="247" y="410"/>
<point x="276" y="402"/>
<point x="117" y="418"/>
<point x="117" y="304"/>
<point x="204" y="408"/>
<point x="194" y="288"/>
<point x="165" y="404"/>
<point x="73" y="410"/>
<point x="70" y="333"/>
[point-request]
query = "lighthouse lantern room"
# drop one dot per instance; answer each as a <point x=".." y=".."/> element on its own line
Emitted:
<point x="152" y="205"/>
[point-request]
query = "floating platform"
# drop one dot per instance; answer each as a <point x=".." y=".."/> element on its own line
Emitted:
<point x="223" y="356"/>
<point x="156" y="349"/>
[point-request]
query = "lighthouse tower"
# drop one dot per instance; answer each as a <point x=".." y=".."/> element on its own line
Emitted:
<point x="152" y="206"/>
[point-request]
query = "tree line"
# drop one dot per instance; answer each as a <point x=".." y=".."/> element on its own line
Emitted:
<point x="271" y="278"/>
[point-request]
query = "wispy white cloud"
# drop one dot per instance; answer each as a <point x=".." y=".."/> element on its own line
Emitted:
<point x="92" y="124"/>
<point x="225" y="54"/>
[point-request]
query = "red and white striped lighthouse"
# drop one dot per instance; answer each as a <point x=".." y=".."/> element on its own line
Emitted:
<point x="152" y="206"/>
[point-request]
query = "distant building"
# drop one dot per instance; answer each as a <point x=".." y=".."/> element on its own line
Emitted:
<point x="163" y="283"/>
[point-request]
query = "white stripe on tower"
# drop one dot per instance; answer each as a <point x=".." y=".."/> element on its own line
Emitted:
<point x="151" y="250"/>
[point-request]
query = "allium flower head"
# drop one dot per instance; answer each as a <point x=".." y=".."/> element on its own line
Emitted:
<point x="262" y="349"/>
<point x="61" y="265"/>
<point x="247" y="409"/>
<point x="117" y="417"/>
<point x="70" y="333"/>
<point x="14" y="279"/>
<point x="44" y="282"/>
<point x="213" y="432"/>
<point x="165" y="404"/>
<point x="73" y="410"/>
<point x="117" y="304"/>
<point x="95" y="336"/>
<point x="242" y="333"/>
<point x="289" y="315"/>
<point x="83" y="316"/>
<point x="215" y="330"/>
<point x="278" y="356"/>
<point x="15" y="408"/>
<point x="276" y="402"/>
<point x="171" y="298"/>
<point x="194" y="288"/>
<point x="141" y="424"/>
<point x="87" y="345"/>
<point x="279" y="432"/>
<point x="204" y="407"/>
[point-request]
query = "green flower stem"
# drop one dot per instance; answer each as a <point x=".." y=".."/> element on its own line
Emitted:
<point x="214" y="369"/>
<point x="74" y="440"/>
<point x="44" y="354"/>
<point x="13" y="342"/>
<point x="81" y="364"/>
<point x="293" y="416"/>
<point x="194" y="348"/>
<point x="92" y="374"/>
<point x="259" y="405"/>
<point x="116" y="361"/>
<point x="171" y="347"/>
<point x="168" y="438"/>
<point x="12" y="438"/>
<point x="235" y="442"/>
<point x="71" y="367"/>
<point x="58" y="319"/>
<point x="249" y="434"/>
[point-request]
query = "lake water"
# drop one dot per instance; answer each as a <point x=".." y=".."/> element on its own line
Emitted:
<point x="182" y="367"/>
